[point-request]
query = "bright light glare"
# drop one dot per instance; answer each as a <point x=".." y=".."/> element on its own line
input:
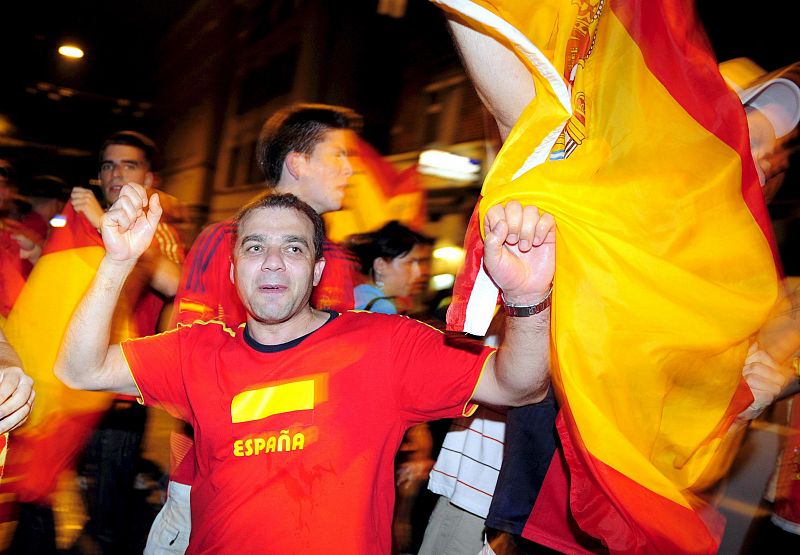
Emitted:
<point x="70" y="51"/>
<point x="58" y="221"/>
<point x="448" y="165"/>
<point x="449" y="253"/>
<point x="442" y="281"/>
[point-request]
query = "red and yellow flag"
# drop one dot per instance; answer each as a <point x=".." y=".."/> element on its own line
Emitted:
<point x="62" y="418"/>
<point x="377" y="193"/>
<point x="664" y="267"/>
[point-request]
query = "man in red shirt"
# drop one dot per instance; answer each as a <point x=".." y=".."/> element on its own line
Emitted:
<point x="299" y="412"/>
<point x="302" y="150"/>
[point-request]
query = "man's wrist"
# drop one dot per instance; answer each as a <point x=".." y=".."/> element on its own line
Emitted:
<point x="521" y="306"/>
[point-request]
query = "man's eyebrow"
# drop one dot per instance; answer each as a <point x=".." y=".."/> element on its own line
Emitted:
<point x="254" y="237"/>
<point x="295" y="239"/>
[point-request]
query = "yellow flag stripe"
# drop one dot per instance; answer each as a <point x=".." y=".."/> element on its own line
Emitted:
<point x="262" y="403"/>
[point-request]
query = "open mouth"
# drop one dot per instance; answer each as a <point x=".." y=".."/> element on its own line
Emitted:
<point x="272" y="288"/>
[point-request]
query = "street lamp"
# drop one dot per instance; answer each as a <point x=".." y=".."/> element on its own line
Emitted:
<point x="70" y="51"/>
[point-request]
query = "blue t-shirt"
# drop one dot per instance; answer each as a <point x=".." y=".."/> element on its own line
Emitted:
<point x="364" y="293"/>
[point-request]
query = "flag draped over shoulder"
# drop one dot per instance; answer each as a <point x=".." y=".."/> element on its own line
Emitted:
<point x="665" y="264"/>
<point x="377" y="193"/>
<point x="62" y="418"/>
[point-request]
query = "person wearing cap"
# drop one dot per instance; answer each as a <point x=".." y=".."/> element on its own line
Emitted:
<point x="772" y="104"/>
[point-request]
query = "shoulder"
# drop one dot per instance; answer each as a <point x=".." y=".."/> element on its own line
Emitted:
<point x="214" y="238"/>
<point x="207" y="328"/>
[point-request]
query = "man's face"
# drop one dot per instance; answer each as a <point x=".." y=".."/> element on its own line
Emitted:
<point x="123" y="164"/>
<point x="274" y="266"/>
<point x="326" y="172"/>
<point x="407" y="275"/>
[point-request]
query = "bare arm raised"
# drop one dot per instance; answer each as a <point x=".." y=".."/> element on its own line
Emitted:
<point x="86" y="361"/>
<point x="519" y="255"/>
<point x="502" y="81"/>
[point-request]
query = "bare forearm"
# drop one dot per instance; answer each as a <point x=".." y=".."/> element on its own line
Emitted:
<point x="82" y="358"/>
<point x="522" y="365"/>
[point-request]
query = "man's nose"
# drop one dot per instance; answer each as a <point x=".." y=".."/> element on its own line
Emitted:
<point x="273" y="260"/>
<point x="348" y="167"/>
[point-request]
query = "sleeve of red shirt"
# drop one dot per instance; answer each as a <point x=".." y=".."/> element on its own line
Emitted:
<point x="205" y="291"/>
<point x="157" y="367"/>
<point x="431" y="376"/>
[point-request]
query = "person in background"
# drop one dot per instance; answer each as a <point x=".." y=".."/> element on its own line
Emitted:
<point x="47" y="195"/>
<point x="394" y="262"/>
<point x="112" y="451"/>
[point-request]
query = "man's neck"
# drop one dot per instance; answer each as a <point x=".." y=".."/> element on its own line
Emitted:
<point x="300" y="324"/>
<point x="295" y="188"/>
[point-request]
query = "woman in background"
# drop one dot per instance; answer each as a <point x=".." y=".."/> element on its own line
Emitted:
<point x="394" y="261"/>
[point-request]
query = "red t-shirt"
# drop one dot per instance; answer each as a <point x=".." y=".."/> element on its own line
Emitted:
<point x="296" y="442"/>
<point x="206" y="293"/>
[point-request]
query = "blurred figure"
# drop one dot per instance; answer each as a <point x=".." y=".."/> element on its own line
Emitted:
<point x="47" y="195"/>
<point x="395" y="264"/>
<point x="14" y="269"/>
<point x="64" y="420"/>
<point x="112" y="452"/>
<point x="8" y="188"/>
<point x="772" y="104"/>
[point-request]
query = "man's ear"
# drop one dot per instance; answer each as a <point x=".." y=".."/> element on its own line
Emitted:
<point x="149" y="180"/>
<point x="319" y="266"/>
<point x="233" y="280"/>
<point x="295" y="164"/>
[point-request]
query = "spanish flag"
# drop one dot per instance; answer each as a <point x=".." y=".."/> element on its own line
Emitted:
<point x="377" y="193"/>
<point x="665" y="265"/>
<point x="62" y="418"/>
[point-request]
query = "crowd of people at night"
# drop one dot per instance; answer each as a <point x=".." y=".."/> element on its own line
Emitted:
<point x="302" y="373"/>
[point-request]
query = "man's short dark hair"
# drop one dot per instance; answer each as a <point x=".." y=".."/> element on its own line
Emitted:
<point x="271" y="199"/>
<point x="298" y="128"/>
<point x="134" y="139"/>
